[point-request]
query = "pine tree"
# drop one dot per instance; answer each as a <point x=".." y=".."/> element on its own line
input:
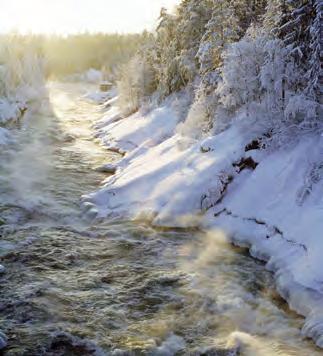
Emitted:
<point x="248" y="12"/>
<point x="192" y="16"/>
<point x="166" y="51"/>
<point x="274" y="15"/>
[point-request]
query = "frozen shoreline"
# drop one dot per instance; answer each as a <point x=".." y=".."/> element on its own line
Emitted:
<point x="269" y="201"/>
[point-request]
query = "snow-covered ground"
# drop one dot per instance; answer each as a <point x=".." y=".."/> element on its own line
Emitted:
<point x="268" y="200"/>
<point x="8" y="111"/>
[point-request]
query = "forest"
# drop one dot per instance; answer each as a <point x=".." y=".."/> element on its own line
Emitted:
<point x="259" y="59"/>
<point x="28" y="61"/>
<point x="77" y="53"/>
<point x="161" y="193"/>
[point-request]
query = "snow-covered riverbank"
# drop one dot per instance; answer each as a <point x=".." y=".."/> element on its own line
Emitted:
<point x="267" y="199"/>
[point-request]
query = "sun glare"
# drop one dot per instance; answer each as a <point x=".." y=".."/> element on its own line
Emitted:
<point x="72" y="16"/>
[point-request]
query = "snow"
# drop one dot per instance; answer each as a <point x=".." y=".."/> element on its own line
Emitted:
<point x="137" y="130"/>
<point x="8" y="111"/>
<point x="271" y="194"/>
<point x="278" y="195"/>
<point x="12" y="110"/>
<point x="275" y="208"/>
<point x="4" y="136"/>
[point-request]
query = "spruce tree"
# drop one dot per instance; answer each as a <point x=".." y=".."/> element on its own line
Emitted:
<point x="301" y="33"/>
<point x="223" y="28"/>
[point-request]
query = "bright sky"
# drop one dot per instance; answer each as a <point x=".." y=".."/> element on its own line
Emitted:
<point x="70" y="16"/>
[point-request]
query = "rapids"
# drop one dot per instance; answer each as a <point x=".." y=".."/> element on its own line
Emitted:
<point x="73" y="286"/>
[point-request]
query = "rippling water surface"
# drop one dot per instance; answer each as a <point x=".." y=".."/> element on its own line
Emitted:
<point x="74" y="287"/>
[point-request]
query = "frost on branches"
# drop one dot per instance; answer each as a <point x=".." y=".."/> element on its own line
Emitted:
<point x="21" y="77"/>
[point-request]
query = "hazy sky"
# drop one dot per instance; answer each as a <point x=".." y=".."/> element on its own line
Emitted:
<point x="66" y="16"/>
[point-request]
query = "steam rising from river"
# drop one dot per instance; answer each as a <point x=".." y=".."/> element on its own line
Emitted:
<point x="36" y="168"/>
<point x="237" y="296"/>
<point x="30" y="165"/>
<point x="120" y="285"/>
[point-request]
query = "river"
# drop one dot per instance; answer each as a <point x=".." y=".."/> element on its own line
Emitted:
<point x="73" y="286"/>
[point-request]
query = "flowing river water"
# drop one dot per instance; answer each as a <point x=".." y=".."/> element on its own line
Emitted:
<point x="77" y="287"/>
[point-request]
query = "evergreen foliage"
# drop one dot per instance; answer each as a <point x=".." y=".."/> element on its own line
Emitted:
<point x="250" y="59"/>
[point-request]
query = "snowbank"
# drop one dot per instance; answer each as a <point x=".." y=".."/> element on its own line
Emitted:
<point x="268" y="200"/>
<point x="141" y="129"/>
<point x="277" y="211"/>
<point x="11" y="111"/>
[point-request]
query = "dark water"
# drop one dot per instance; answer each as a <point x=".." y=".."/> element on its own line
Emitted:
<point x="76" y="287"/>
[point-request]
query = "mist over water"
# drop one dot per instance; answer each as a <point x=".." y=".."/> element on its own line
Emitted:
<point x="29" y="167"/>
<point x="78" y="287"/>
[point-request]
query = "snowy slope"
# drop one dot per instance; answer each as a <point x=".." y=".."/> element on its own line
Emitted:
<point x="278" y="212"/>
<point x="271" y="201"/>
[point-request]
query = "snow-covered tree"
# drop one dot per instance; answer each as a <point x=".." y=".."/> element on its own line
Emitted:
<point x="267" y="52"/>
<point x="166" y="55"/>
<point x="241" y="83"/>
<point x="274" y="16"/>
<point x="301" y="33"/>
<point x="248" y="12"/>
<point x="220" y="30"/>
<point x="314" y="73"/>
<point x="136" y="83"/>
<point x="192" y="16"/>
<point x="21" y="76"/>
<point x="22" y="65"/>
<point x="200" y="118"/>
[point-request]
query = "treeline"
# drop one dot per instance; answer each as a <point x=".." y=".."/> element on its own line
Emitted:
<point x="68" y="55"/>
<point x="77" y="53"/>
<point x="255" y="59"/>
